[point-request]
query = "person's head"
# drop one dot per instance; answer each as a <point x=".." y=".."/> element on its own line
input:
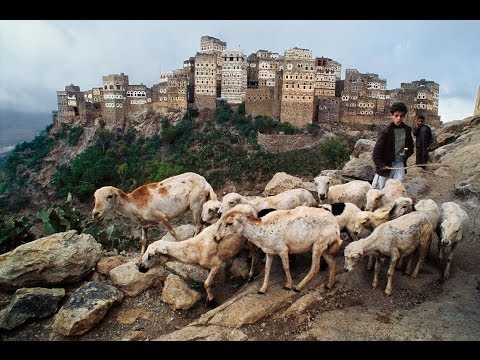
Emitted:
<point x="420" y="120"/>
<point x="398" y="110"/>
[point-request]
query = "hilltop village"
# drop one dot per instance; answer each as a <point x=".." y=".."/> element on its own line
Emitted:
<point x="297" y="88"/>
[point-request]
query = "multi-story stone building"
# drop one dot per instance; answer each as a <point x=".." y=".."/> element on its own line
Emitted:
<point x="71" y="105"/>
<point x="328" y="111"/>
<point x="173" y="90"/>
<point x="93" y="104"/>
<point x="211" y="45"/>
<point x="328" y="72"/>
<point x="299" y="76"/>
<point x="114" y="88"/>
<point x="189" y="70"/>
<point x="294" y="88"/>
<point x="138" y="99"/>
<point x="264" y="79"/>
<point x="206" y="81"/>
<point x="364" y="99"/>
<point x="252" y="70"/>
<point x="234" y="76"/>
<point x="421" y="98"/>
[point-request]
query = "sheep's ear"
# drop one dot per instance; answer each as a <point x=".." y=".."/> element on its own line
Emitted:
<point x="392" y="210"/>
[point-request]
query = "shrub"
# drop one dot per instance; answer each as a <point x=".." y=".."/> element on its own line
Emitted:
<point x="74" y="135"/>
<point x="14" y="232"/>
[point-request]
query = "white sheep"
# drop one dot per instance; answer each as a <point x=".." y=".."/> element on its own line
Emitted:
<point x="430" y="207"/>
<point x="201" y="250"/>
<point x="385" y="197"/>
<point x="285" y="232"/>
<point x="157" y="203"/>
<point x="369" y="220"/>
<point x="288" y="199"/>
<point x="364" y="221"/>
<point x="344" y="213"/>
<point x="395" y="239"/>
<point x="354" y="191"/>
<point x="452" y="228"/>
<point x="210" y="211"/>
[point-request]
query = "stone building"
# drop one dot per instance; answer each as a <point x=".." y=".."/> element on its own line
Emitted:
<point x="71" y="106"/>
<point x="264" y="76"/>
<point x="206" y="81"/>
<point x="364" y="99"/>
<point x="211" y="45"/>
<point x="328" y="72"/>
<point x="138" y="99"/>
<point x="299" y="76"/>
<point x="178" y="89"/>
<point x="173" y="90"/>
<point x="252" y="70"/>
<point x="421" y="98"/>
<point x="234" y="76"/>
<point x="294" y="88"/>
<point x="328" y="111"/>
<point x="93" y="104"/>
<point x="114" y="88"/>
<point x="189" y="70"/>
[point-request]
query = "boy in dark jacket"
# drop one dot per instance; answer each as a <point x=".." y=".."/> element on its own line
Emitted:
<point x="393" y="147"/>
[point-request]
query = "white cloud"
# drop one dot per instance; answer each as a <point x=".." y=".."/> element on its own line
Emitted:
<point x="454" y="108"/>
<point x="402" y="48"/>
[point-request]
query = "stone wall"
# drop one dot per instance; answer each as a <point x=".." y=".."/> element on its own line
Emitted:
<point x="260" y="102"/>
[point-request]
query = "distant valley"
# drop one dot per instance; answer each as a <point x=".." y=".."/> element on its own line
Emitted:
<point x="17" y="127"/>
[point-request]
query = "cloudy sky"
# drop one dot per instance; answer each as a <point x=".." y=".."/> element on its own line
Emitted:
<point x="40" y="57"/>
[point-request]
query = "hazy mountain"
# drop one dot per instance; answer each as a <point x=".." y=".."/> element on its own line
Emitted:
<point x="17" y="127"/>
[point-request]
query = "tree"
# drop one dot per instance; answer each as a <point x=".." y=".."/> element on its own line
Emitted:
<point x="104" y="137"/>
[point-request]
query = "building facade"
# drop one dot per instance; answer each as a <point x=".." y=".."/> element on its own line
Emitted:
<point x="364" y="99"/>
<point x="234" y="76"/>
<point x="299" y="76"/>
<point x="421" y="98"/>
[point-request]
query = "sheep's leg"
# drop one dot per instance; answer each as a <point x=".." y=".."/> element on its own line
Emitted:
<point x="197" y="216"/>
<point x="286" y="268"/>
<point x="375" y="273"/>
<point x="316" y="253"/>
<point x="253" y="255"/>
<point x="409" y="268"/>
<point x="434" y="236"/>
<point x="332" y="265"/>
<point x="399" y="263"/>
<point x="268" y="265"/>
<point x="422" y="253"/>
<point x="446" y="273"/>
<point x="208" y="282"/>
<point x="370" y="262"/>
<point x="161" y="218"/>
<point x="441" y="250"/>
<point x="391" y="269"/>
<point x="143" y="240"/>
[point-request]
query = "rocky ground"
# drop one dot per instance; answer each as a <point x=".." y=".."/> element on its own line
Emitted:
<point x="419" y="309"/>
<point x="425" y="308"/>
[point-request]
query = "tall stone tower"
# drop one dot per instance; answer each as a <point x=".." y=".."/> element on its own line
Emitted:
<point x="476" y="111"/>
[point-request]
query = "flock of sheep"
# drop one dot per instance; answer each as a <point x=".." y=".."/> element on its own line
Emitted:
<point x="292" y="222"/>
